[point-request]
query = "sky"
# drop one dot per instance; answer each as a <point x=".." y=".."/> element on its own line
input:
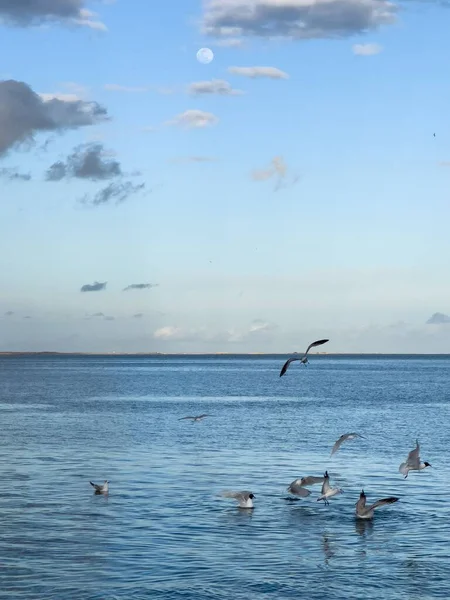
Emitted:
<point x="295" y="187"/>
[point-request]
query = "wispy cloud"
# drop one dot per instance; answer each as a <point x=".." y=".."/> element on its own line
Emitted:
<point x="140" y="286"/>
<point x="438" y="319"/>
<point x="219" y="87"/>
<point x="367" y="49"/>
<point x="193" y="159"/>
<point x="138" y="316"/>
<point x="51" y="114"/>
<point x="194" y="119"/>
<point x="259" y="72"/>
<point x="278" y="170"/>
<point x="116" y="190"/>
<point x="97" y="286"/>
<point x="9" y="313"/>
<point x="12" y="174"/>
<point x="115" y="87"/>
<point x="86" y="162"/>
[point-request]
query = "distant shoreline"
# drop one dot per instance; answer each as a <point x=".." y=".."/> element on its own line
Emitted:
<point x="149" y="354"/>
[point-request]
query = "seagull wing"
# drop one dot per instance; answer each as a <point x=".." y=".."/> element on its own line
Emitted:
<point x="97" y="487"/>
<point x="338" y="443"/>
<point x="202" y="416"/>
<point x="298" y="490"/>
<point x="413" y="459"/>
<point x="403" y="469"/>
<point x="361" y="505"/>
<point x="182" y="418"/>
<point x="310" y="480"/>
<point x="316" y="343"/>
<point x="239" y="496"/>
<point x="325" y="485"/>
<point x="287" y="363"/>
<point x="382" y="502"/>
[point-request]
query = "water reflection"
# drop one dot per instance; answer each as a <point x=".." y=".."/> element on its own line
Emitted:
<point x="363" y="527"/>
<point x="328" y="547"/>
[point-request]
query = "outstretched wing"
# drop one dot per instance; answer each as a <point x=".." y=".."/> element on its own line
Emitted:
<point x="239" y="496"/>
<point x="403" y="469"/>
<point x="342" y="439"/>
<point x="298" y="490"/>
<point x="325" y="485"/>
<point x="361" y="504"/>
<point x="316" y="343"/>
<point x="97" y="487"/>
<point x="382" y="502"/>
<point x="413" y="459"/>
<point x="287" y="363"/>
<point x="310" y="480"/>
<point x="182" y="418"/>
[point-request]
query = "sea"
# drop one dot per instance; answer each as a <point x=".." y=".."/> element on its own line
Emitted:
<point x="164" y="532"/>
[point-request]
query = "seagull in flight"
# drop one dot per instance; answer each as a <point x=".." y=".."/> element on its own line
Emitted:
<point x="366" y="512"/>
<point x="195" y="419"/>
<point x="298" y="486"/>
<point x="328" y="491"/>
<point x="344" y="437"/>
<point x="244" y="498"/>
<point x="102" y="488"/>
<point x="304" y="358"/>
<point x="413" y="462"/>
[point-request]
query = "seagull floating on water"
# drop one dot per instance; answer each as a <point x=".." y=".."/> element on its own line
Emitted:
<point x="303" y="359"/>
<point x="344" y="437"/>
<point x="244" y="498"/>
<point x="413" y="462"/>
<point x="327" y="490"/>
<point x="102" y="488"/>
<point x="367" y="512"/>
<point x="195" y="419"/>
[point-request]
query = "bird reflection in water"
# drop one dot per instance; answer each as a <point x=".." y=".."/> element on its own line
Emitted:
<point x="363" y="527"/>
<point x="328" y="547"/>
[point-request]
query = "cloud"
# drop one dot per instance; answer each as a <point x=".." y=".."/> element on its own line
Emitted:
<point x="215" y="86"/>
<point x="97" y="286"/>
<point x="257" y="330"/>
<point x="230" y="43"/>
<point x="140" y="286"/>
<point x="27" y="13"/>
<point x="438" y="319"/>
<point x="12" y="174"/>
<point x="258" y="72"/>
<point x="115" y="87"/>
<point x="295" y="19"/>
<point x="194" y="119"/>
<point x="118" y="191"/>
<point x="138" y="316"/>
<point x="9" y="313"/>
<point x="367" y="49"/>
<point x="24" y="114"/>
<point x="99" y="315"/>
<point x="85" y="162"/>
<point x="444" y="163"/>
<point x="278" y="170"/>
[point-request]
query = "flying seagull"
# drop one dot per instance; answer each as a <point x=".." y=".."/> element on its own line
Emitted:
<point x="298" y="486"/>
<point x="304" y="358"/>
<point x="245" y="499"/>
<point x="328" y="491"/>
<point x="366" y="512"/>
<point x="344" y="437"/>
<point x="103" y="488"/>
<point x="194" y="419"/>
<point x="413" y="462"/>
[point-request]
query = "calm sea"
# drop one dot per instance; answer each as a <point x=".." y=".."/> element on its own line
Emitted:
<point x="163" y="533"/>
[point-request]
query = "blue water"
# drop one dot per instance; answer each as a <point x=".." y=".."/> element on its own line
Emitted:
<point x="163" y="533"/>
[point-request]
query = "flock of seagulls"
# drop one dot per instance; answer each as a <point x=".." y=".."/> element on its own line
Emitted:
<point x="299" y="486"/>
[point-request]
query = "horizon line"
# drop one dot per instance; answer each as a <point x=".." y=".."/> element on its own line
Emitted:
<point x="113" y="353"/>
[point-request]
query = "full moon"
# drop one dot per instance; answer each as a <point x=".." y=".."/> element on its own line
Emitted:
<point x="205" y="55"/>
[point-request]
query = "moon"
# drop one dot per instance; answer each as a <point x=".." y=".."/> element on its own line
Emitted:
<point x="205" y="55"/>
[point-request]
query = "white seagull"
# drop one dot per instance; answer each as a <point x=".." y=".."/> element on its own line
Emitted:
<point x="344" y="437"/>
<point x="413" y="462"/>
<point x="366" y="512"/>
<point x="328" y="491"/>
<point x="244" y="498"/>
<point x="195" y="419"/>
<point x="303" y="359"/>
<point x="103" y="488"/>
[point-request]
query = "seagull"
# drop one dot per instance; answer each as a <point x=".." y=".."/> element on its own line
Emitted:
<point x="195" y="419"/>
<point x="366" y="512"/>
<point x="413" y="462"/>
<point x="297" y="487"/>
<point x="344" y="437"/>
<point x="327" y="490"/>
<point x="245" y="499"/>
<point x="103" y="488"/>
<point x="303" y="359"/>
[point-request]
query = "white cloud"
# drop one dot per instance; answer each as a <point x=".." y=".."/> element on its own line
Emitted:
<point x="295" y="19"/>
<point x="215" y="86"/>
<point x="277" y="169"/>
<point x="367" y="49"/>
<point x="194" y="119"/>
<point x="258" y="72"/>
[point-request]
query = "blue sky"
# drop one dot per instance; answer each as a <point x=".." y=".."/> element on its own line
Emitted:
<point x="311" y="204"/>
